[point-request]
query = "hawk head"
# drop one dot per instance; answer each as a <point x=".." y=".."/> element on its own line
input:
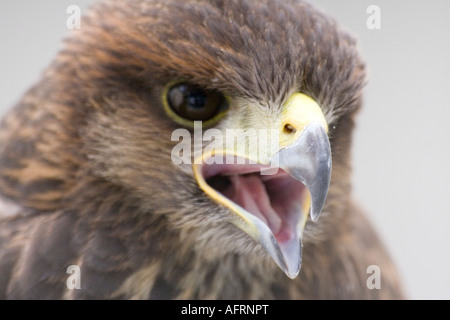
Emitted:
<point x="206" y="128"/>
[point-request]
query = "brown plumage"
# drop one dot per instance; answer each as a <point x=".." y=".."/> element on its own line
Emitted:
<point x="87" y="179"/>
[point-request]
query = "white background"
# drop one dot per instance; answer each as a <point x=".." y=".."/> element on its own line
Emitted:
<point x="401" y="155"/>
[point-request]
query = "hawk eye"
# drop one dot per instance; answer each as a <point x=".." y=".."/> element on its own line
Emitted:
<point x="193" y="103"/>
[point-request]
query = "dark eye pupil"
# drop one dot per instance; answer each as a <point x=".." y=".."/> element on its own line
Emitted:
<point x="195" y="103"/>
<point x="196" y="99"/>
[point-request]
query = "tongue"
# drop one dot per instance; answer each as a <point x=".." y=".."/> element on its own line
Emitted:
<point x="249" y="192"/>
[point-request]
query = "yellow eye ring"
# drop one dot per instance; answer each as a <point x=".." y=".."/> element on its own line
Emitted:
<point x="185" y="103"/>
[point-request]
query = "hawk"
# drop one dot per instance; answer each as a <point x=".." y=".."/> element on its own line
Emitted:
<point x="101" y="169"/>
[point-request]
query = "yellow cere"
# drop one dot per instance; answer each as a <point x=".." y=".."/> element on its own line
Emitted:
<point x="297" y="112"/>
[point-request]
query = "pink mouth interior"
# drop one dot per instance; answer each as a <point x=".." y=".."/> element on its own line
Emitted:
<point x="275" y="199"/>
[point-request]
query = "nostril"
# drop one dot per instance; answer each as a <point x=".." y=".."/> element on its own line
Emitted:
<point x="289" y="129"/>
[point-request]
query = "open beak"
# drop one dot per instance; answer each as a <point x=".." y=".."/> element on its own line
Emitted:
<point x="271" y="197"/>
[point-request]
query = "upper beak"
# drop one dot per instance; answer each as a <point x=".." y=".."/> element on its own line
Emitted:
<point x="308" y="160"/>
<point x="269" y="199"/>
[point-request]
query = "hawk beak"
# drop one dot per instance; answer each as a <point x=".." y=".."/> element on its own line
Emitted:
<point x="271" y="197"/>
